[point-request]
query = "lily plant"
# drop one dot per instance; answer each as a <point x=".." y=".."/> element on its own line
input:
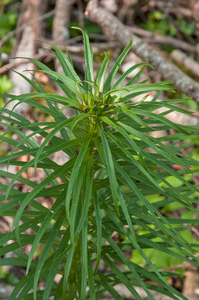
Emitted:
<point x="103" y="187"/>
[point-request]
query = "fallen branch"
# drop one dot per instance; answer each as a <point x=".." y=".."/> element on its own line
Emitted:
<point x="189" y="63"/>
<point x="97" y="47"/>
<point x="113" y="27"/>
<point x="6" y="290"/>
<point x="154" y="38"/>
<point x="172" y="7"/>
<point x="21" y="28"/>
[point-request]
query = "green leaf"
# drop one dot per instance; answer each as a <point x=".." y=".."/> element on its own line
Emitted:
<point x="88" y="53"/>
<point x="65" y="63"/>
<point x="47" y="249"/>
<point x="44" y="69"/>
<point x="76" y="120"/>
<point x="101" y="75"/>
<point x="34" y="192"/>
<point x="46" y="221"/>
<point x="131" y="69"/>
<point x="116" y="67"/>
<point x="81" y="156"/>
<point x="109" y="287"/>
<point x="134" y="146"/>
<point x="84" y="248"/>
<point x="99" y="228"/>
<point x="127" y="263"/>
<point x="91" y="282"/>
<point x="67" y="270"/>
<point x="110" y="166"/>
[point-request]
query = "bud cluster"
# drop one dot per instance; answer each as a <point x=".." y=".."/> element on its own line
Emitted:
<point x="96" y="105"/>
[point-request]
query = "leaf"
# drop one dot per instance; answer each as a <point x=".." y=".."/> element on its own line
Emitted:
<point x="110" y="167"/>
<point x="34" y="192"/>
<point x="131" y="69"/>
<point x="128" y="92"/>
<point x="127" y="263"/>
<point x="88" y="53"/>
<point x="47" y="249"/>
<point x="109" y="287"/>
<point x="65" y="63"/>
<point x="133" y="116"/>
<point x="44" y="68"/>
<point x="49" y="216"/>
<point x="78" y="188"/>
<point x="116" y="67"/>
<point x="99" y="228"/>
<point x="84" y="248"/>
<point x="83" y="151"/>
<point x="48" y="139"/>
<point x="117" y="221"/>
<point x="91" y="282"/>
<point x="76" y="120"/>
<point x="67" y="270"/>
<point x="120" y="276"/>
<point x="101" y="75"/>
<point x="134" y="146"/>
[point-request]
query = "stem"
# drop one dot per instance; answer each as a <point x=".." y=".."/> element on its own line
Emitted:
<point x="75" y="267"/>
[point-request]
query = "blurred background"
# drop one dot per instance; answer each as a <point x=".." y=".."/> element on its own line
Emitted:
<point x="171" y="28"/>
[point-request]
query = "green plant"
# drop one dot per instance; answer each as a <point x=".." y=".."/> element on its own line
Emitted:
<point x="157" y="23"/>
<point x="5" y="86"/>
<point x="104" y="185"/>
<point x="8" y="22"/>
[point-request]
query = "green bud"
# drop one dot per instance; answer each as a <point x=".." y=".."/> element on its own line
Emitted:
<point x="88" y="99"/>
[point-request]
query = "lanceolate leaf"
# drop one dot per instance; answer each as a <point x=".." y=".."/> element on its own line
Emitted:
<point x="45" y="224"/>
<point x="65" y="63"/>
<point x="116" y="67"/>
<point x="34" y="192"/>
<point x="137" y="149"/>
<point x="74" y="174"/>
<point x="121" y="79"/>
<point x="88" y="52"/>
<point x="110" y="166"/>
<point x="45" y="68"/>
<point x="101" y="74"/>
<point x="99" y="228"/>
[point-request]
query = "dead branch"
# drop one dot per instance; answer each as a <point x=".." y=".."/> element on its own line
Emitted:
<point x="22" y="27"/>
<point x="113" y="27"/>
<point x="61" y="20"/>
<point x="6" y="290"/>
<point x="189" y="63"/>
<point x="97" y="47"/>
<point x="194" y="6"/>
<point x="39" y="56"/>
<point x="153" y="38"/>
<point x="173" y="7"/>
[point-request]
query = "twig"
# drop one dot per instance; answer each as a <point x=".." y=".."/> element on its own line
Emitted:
<point x="179" y="11"/>
<point x="6" y="290"/>
<point x="38" y="56"/>
<point x="180" y="31"/>
<point x="21" y="28"/>
<point x="81" y="14"/>
<point x="190" y="64"/>
<point x="153" y="38"/>
<point x="97" y="47"/>
<point x="113" y="27"/>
